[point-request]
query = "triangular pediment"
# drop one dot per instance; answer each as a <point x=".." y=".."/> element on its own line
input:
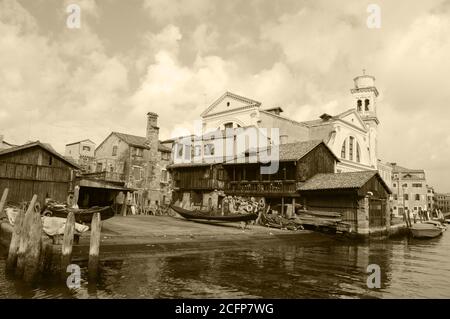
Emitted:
<point x="352" y="117"/>
<point x="229" y="102"/>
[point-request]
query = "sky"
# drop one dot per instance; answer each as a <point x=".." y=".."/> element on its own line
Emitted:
<point x="61" y="84"/>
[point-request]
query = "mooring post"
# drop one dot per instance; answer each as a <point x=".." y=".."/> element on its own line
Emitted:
<point x="24" y="234"/>
<point x="33" y="248"/>
<point x="94" y="247"/>
<point x="15" y="241"/>
<point x="3" y="201"/>
<point x="66" y="250"/>
<point x="76" y="194"/>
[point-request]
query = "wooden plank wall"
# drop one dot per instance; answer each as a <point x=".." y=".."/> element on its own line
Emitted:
<point x="34" y="171"/>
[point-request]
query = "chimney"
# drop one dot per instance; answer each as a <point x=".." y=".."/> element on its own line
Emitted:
<point x="275" y="110"/>
<point x="152" y="123"/>
<point x="152" y="134"/>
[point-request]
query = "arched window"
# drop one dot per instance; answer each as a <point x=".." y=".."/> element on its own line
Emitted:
<point x="366" y="104"/>
<point x="344" y="149"/>
<point x="359" y="104"/>
<point x="358" y="153"/>
<point x="350" y="148"/>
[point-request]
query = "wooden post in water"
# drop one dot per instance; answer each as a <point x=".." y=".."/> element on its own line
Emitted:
<point x="76" y="194"/>
<point x="24" y="234"/>
<point x="15" y="241"/>
<point x="94" y="247"/>
<point x="33" y="248"/>
<point x="3" y="201"/>
<point x="125" y="202"/>
<point x="66" y="250"/>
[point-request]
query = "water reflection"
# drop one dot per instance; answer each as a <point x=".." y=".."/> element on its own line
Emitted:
<point x="334" y="269"/>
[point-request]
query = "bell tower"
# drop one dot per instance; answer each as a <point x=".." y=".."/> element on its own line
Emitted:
<point x="365" y="96"/>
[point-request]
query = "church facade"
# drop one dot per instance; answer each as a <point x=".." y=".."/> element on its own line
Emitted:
<point x="352" y="135"/>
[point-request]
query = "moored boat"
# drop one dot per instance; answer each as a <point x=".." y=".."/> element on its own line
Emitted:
<point x="81" y="215"/>
<point x="427" y="229"/>
<point x="212" y="216"/>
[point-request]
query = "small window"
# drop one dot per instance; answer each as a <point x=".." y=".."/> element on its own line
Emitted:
<point x="366" y="104"/>
<point x="343" y="149"/>
<point x="359" y="104"/>
<point x="395" y="185"/>
<point x="228" y="103"/>
<point x="350" y="147"/>
<point x="114" y="150"/>
<point x="163" y="176"/>
<point x="209" y="149"/>
<point x="50" y="160"/>
<point x="417" y="196"/>
<point x="228" y="125"/>
<point x="406" y="196"/>
<point x="86" y="148"/>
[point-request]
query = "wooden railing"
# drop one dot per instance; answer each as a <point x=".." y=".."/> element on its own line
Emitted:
<point x="106" y="176"/>
<point x="199" y="184"/>
<point x="261" y="187"/>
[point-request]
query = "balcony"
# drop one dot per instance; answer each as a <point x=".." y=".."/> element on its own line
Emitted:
<point x="106" y="176"/>
<point x="199" y="184"/>
<point x="286" y="187"/>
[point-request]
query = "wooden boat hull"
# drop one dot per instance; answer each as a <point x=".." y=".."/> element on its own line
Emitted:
<point x="426" y="231"/>
<point x="206" y="216"/>
<point x="82" y="215"/>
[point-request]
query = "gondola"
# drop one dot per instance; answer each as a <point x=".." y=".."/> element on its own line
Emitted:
<point x="81" y="215"/>
<point x="210" y="216"/>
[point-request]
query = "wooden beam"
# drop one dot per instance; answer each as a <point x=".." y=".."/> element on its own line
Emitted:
<point x="3" y="201"/>
<point x="15" y="241"/>
<point x="66" y="249"/>
<point x="33" y="248"/>
<point x="94" y="247"/>
<point x="24" y="235"/>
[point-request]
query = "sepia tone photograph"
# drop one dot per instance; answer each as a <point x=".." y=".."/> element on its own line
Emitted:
<point x="196" y="150"/>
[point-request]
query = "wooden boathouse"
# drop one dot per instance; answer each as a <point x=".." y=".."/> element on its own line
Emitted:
<point x="360" y="197"/>
<point x="298" y="162"/>
<point x="35" y="168"/>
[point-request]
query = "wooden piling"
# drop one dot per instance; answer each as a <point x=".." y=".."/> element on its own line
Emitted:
<point x="33" y="248"/>
<point x="66" y="249"/>
<point x="3" y="201"/>
<point x="94" y="247"/>
<point x="76" y="194"/>
<point x="24" y="234"/>
<point x="15" y="241"/>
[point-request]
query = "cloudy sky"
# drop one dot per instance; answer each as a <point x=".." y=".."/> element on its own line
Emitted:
<point x="175" y="57"/>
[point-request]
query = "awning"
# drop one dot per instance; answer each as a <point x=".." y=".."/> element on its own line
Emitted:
<point x="103" y="184"/>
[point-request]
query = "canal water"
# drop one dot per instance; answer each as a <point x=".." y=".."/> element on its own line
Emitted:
<point x="410" y="268"/>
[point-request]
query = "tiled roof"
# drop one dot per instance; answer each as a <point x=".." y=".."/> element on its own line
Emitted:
<point x="140" y="141"/>
<point x="163" y="148"/>
<point x="291" y="151"/>
<point x="296" y="150"/>
<point x="400" y="169"/>
<point x="45" y="146"/>
<point x="350" y="180"/>
<point x="133" y="140"/>
<point x="85" y="140"/>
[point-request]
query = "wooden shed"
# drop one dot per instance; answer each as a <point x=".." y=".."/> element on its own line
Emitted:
<point x="360" y="197"/>
<point x="35" y="168"/>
